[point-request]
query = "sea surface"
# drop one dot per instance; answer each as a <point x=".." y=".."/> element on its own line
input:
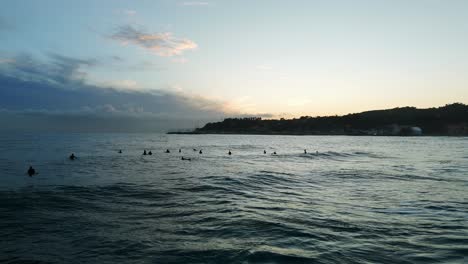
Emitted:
<point x="348" y="200"/>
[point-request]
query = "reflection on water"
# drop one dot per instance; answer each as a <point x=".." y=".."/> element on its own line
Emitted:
<point x="358" y="200"/>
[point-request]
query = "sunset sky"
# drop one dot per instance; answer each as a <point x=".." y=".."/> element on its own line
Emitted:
<point x="205" y="60"/>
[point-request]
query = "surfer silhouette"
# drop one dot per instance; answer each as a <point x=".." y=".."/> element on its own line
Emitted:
<point x="72" y="156"/>
<point x="31" y="171"/>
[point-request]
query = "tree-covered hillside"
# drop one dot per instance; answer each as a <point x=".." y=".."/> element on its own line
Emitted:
<point x="447" y="120"/>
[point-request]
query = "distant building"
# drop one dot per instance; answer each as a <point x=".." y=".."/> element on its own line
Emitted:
<point x="410" y="131"/>
<point x="397" y="130"/>
<point x="415" y="131"/>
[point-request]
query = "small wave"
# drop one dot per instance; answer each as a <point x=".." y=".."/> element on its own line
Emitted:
<point x="332" y="155"/>
<point x="276" y="172"/>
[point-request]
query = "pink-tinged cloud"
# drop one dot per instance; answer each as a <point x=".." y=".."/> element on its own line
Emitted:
<point x="162" y="44"/>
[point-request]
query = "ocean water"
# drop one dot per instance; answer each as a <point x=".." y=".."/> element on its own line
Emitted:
<point x="356" y="200"/>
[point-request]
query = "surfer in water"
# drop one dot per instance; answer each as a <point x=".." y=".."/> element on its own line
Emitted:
<point x="180" y="150"/>
<point x="167" y="151"/>
<point x="72" y="156"/>
<point x="120" y="151"/>
<point x="229" y="153"/>
<point x="31" y="171"/>
<point x="264" y="151"/>
<point x="150" y="153"/>
<point x="200" y="152"/>
<point x="144" y="152"/>
<point x="274" y="153"/>
<point x="189" y="159"/>
<point x="305" y="151"/>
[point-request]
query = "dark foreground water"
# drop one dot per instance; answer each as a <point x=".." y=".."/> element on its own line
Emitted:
<point x="358" y="200"/>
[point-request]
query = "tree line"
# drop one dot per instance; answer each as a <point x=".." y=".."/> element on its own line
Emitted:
<point x="451" y="119"/>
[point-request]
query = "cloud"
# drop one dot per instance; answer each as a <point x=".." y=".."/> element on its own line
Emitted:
<point x="196" y="3"/>
<point x="68" y="68"/>
<point x="59" y="70"/>
<point x="56" y="95"/>
<point x="118" y="63"/>
<point x="162" y="44"/>
<point x="122" y="85"/>
<point x="144" y="66"/>
<point x="117" y="58"/>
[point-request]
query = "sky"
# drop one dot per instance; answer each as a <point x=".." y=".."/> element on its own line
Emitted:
<point x="168" y="64"/>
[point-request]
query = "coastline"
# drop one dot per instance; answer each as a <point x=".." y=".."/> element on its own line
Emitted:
<point x="448" y="120"/>
<point x="305" y="134"/>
